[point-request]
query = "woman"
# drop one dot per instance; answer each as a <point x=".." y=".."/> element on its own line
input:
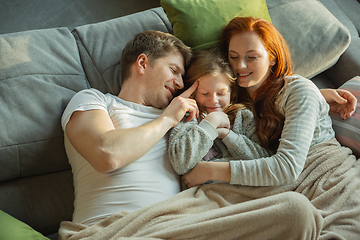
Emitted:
<point x="259" y="56"/>
<point x="292" y="122"/>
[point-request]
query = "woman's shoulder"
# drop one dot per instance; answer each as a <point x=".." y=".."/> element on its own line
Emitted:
<point x="300" y="85"/>
<point x="298" y="81"/>
<point x="297" y="88"/>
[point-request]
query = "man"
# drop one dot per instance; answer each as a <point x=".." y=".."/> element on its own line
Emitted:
<point x="116" y="145"/>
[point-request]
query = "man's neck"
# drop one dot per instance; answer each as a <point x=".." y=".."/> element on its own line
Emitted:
<point x="131" y="92"/>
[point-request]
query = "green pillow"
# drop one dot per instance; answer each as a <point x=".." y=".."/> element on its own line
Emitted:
<point x="199" y="23"/>
<point x="13" y="229"/>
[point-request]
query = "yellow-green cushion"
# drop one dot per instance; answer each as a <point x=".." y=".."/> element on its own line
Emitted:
<point x="13" y="229"/>
<point x="198" y="23"/>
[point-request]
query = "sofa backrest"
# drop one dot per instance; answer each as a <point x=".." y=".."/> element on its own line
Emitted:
<point x="39" y="72"/>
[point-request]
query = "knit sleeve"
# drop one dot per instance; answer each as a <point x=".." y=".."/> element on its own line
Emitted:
<point x="189" y="142"/>
<point x="301" y="104"/>
<point x="242" y="142"/>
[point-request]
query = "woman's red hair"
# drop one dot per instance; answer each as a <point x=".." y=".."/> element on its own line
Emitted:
<point x="269" y="121"/>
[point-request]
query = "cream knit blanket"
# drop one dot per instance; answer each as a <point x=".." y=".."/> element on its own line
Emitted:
<point x="330" y="180"/>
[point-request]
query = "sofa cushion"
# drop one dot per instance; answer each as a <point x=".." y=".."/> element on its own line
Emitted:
<point x="351" y="8"/>
<point x="101" y="44"/>
<point x="316" y="38"/>
<point x="342" y="12"/>
<point x="13" y="229"/>
<point x="40" y="71"/>
<point x="199" y="23"/>
<point x="347" y="132"/>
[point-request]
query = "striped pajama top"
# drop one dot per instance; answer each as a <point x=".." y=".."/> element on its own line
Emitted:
<point x="307" y="123"/>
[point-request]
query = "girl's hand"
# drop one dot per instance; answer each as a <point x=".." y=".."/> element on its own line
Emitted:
<point x="218" y="119"/>
<point x="222" y="132"/>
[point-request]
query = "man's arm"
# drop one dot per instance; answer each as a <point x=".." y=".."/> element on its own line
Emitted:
<point x="93" y="135"/>
<point x="341" y="101"/>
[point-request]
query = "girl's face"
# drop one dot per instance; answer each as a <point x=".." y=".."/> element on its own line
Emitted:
<point x="213" y="92"/>
<point x="249" y="60"/>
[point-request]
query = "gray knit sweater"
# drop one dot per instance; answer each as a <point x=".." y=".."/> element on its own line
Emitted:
<point x="194" y="141"/>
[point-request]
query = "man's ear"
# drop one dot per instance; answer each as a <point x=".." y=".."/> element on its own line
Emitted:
<point x="141" y="63"/>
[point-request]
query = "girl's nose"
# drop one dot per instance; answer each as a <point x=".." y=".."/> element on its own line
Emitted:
<point x="214" y="98"/>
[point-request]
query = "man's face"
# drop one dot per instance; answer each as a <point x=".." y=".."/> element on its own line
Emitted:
<point x="164" y="79"/>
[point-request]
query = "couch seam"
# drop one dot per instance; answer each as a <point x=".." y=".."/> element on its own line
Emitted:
<point x="92" y="60"/>
<point x="32" y="74"/>
<point x="18" y="144"/>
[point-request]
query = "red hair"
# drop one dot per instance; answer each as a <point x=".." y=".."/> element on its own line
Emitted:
<point x="269" y="120"/>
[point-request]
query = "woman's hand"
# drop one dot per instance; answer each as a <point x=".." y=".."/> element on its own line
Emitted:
<point x="206" y="171"/>
<point x="200" y="174"/>
<point x="341" y="101"/>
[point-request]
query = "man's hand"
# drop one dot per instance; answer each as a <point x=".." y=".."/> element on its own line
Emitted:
<point x="341" y="101"/>
<point x="181" y="105"/>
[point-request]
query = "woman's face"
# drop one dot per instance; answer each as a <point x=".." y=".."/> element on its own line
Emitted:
<point x="249" y="60"/>
<point x="213" y="92"/>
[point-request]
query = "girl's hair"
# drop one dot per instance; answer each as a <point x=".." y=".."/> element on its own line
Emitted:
<point x="269" y="120"/>
<point x="211" y="61"/>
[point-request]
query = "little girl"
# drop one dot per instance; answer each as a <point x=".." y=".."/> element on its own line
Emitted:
<point x="212" y="137"/>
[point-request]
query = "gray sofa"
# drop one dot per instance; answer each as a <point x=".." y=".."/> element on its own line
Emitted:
<point x="41" y="70"/>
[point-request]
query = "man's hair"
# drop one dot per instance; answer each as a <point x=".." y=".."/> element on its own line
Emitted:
<point x="155" y="45"/>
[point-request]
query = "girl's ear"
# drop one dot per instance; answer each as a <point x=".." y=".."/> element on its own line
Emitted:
<point x="141" y="62"/>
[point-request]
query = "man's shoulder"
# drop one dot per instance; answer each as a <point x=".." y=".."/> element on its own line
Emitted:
<point x="92" y="96"/>
<point x="92" y="92"/>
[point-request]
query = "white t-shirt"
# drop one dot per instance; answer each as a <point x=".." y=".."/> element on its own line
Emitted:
<point x="148" y="180"/>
